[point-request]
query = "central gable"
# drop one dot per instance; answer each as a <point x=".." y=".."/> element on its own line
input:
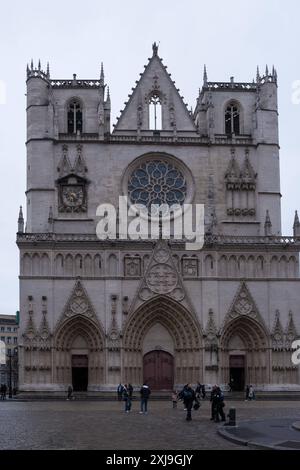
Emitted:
<point x="155" y="84"/>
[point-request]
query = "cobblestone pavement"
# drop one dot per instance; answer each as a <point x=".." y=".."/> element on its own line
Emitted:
<point x="104" y="425"/>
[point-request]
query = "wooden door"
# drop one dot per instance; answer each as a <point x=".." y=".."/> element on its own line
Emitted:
<point x="159" y="370"/>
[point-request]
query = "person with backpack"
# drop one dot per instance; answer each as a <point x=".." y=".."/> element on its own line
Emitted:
<point x="145" y="393"/>
<point x="189" y="397"/>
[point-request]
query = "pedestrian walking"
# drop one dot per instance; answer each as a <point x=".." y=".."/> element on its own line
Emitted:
<point x="219" y="405"/>
<point x="126" y="398"/>
<point x="247" y="393"/>
<point x="120" y="391"/>
<point x="130" y="390"/>
<point x="251" y="395"/>
<point x="189" y="397"/>
<point x="145" y="393"/>
<point x="198" y="390"/>
<point x="3" y="391"/>
<point x="203" y="392"/>
<point x="174" y="399"/>
<point x="181" y="396"/>
<point x="70" y="393"/>
<point x="213" y="402"/>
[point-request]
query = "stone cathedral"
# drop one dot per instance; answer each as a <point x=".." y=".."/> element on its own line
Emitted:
<point x="94" y="312"/>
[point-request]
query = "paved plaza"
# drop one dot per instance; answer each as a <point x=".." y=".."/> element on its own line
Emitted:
<point x="104" y="425"/>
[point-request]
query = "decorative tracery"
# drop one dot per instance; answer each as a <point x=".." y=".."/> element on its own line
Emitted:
<point x="157" y="182"/>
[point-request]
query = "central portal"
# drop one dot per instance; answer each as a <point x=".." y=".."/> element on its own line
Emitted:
<point x="80" y="372"/>
<point x="158" y="368"/>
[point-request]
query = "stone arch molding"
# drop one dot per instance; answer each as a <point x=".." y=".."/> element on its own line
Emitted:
<point x="182" y="326"/>
<point x="251" y="332"/>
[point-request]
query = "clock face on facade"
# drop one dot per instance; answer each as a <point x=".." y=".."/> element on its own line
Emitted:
<point x="72" y="196"/>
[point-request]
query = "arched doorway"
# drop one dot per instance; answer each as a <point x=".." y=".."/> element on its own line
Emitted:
<point x="80" y="372"/>
<point x="237" y="369"/>
<point x="182" y="327"/>
<point x="244" y="353"/>
<point x="158" y="370"/>
<point x="79" y="357"/>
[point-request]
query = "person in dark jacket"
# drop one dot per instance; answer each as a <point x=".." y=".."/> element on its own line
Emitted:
<point x="219" y="405"/>
<point x="120" y="391"/>
<point x="145" y="393"/>
<point x="189" y="397"/>
<point x="70" y="392"/>
<point x="126" y="398"/>
<point x="203" y="392"/>
<point x="130" y="391"/>
<point x="3" y="391"/>
<point x="213" y="402"/>
<point x="181" y="395"/>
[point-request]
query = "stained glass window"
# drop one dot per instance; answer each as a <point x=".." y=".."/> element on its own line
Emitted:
<point x="157" y="182"/>
<point x="74" y="117"/>
<point x="232" y="120"/>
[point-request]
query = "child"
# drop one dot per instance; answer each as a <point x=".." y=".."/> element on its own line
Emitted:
<point x="174" y="399"/>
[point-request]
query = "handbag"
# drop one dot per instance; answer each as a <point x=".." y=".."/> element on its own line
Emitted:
<point x="196" y="406"/>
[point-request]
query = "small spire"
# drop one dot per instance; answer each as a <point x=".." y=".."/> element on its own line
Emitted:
<point x="204" y="76"/>
<point x="21" y="221"/>
<point x="48" y="70"/>
<point x="154" y="48"/>
<point x="39" y="65"/>
<point x="28" y="70"/>
<point x="107" y="96"/>
<point x="257" y="74"/>
<point x="50" y="216"/>
<point x="102" y="74"/>
<point x="268" y="224"/>
<point x="267" y="71"/>
<point x="296" y="225"/>
<point x="31" y="65"/>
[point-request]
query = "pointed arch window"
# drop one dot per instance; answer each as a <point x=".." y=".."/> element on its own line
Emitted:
<point x="155" y="112"/>
<point x="232" y="119"/>
<point x="74" y="117"/>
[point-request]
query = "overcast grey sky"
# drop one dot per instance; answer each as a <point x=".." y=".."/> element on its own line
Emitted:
<point x="231" y="37"/>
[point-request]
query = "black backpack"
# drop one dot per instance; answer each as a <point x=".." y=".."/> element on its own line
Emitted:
<point x="187" y="394"/>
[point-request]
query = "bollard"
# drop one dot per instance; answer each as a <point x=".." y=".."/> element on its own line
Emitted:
<point x="231" y="417"/>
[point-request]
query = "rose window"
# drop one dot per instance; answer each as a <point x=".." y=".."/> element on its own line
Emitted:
<point x="157" y="182"/>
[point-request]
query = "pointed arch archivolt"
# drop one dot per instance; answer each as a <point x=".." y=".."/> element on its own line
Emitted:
<point x="251" y="332"/>
<point x="254" y="345"/>
<point x="184" y="330"/>
<point x="183" y="327"/>
<point x="76" y="326"/>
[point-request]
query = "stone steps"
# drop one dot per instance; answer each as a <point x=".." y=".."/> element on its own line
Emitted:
<point x="157" y="395"/>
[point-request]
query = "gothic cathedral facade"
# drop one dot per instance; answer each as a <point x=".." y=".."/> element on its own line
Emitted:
<point x="96" y="312"/>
